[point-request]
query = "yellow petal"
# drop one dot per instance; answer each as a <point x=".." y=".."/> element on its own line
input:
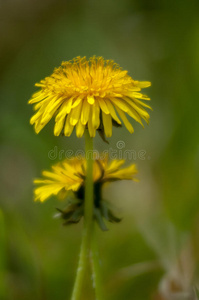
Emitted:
<point x="68" y="128"/>
<point x="139" y="96"/>
<point x="59" y="126"/>
<point x="75" y="114"/>
<point x="77" y="101"/>
<point x="103" y="106"/>
<point x="142" y="103"/>
<point x="120" y="103"/>
<point x="75" y="186"/>
<point x="40" y="104"/>
<point x="91" y="128"/>
<point x="114" y="165"/>
<point x="132" y="112"/>
<point x="38" y="125"/>
<point x="35" y="117"/>
<point x="44" y="192"/>
<point x="112" y="111"/>
<point x="90" y="99"/>
<point x="140" y="110"/>
<point x="80" y="129"/>
<point x="50" y="110"/>
<point x="144" y="84"/>
<point x="85" y="112"/>
<point x="38" y="98"/>
<point x="64" y="109"/>
<point x="95" y="115"/>
<point x="125" y="120"/>
<point x="126" y="173"/>
<point x="107" y="122"/>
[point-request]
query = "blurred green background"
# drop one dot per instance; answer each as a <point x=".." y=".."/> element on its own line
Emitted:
<point x="153" y="254"/>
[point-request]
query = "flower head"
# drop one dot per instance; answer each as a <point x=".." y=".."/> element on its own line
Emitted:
<point x="93" y="94"/>
<point x="69" y="176"/>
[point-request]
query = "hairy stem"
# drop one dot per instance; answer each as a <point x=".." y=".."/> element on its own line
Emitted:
<point x="96" y="267"/>
<point x="88" y="221"/>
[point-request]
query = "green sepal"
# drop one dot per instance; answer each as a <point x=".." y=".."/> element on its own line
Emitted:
<point x="116" y="124"/>
<point x="104" y="210"/>
<point x="64" y="215"/>
<point x="108" y="213"/>
<point x="75" y="217"/>
<point x="113" y="218"/>
<point x="102" y="135"/>
<point x="73" y="211"/>
<point x="99" y="218"/>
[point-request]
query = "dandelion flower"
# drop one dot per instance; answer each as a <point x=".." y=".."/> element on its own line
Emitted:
<point x="93" y="94"/>
<point x="67" y="181"/>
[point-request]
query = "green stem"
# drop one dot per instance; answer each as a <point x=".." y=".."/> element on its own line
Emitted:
<point x="96" y="267"/>
<point x="88" y="220"/>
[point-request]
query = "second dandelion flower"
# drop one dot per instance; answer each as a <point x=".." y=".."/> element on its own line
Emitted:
<point x="67" y="181"/>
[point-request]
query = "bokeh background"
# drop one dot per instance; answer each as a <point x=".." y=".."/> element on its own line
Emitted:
<point x="153" y="254"/>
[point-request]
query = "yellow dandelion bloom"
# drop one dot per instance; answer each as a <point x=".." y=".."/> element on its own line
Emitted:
<point x="70" y="175"/>
<point x="93" y="94"/>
